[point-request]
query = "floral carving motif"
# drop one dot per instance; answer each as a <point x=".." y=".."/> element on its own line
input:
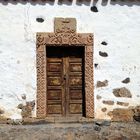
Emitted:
<point x="54" y="39"/>
<point x="40" y="40"/>
<point x="90" y="39"/>
<point x="75" y="39"/>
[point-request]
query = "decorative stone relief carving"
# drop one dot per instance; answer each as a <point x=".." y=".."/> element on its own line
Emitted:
<point x="65" y="25"/>
<point x="40" y="40"/>
<point x="69" y="39"/>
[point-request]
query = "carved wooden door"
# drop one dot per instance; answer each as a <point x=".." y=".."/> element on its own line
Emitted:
<point x="65" y="81"/>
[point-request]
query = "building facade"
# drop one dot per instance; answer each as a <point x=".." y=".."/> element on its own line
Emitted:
<point x="96" y="73"/>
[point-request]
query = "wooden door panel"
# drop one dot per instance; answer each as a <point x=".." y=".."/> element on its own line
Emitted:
<point x="53" y="102"/>
<point x="75" y="81"/>
<point x="75" y="108"/>
<point x="75" y="94"/>
<point x="54" y="94"/>
<point x="76" y="60"/>
<point x="75" y="67"/>
<point x="54" y="87"/>
<point x="54" y="81"/>
<point x="54" y="60"/>
<point x="54" y="109"/>
<point x="54" y="67"/>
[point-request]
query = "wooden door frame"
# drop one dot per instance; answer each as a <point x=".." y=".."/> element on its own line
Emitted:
<point x="44" y="40"/>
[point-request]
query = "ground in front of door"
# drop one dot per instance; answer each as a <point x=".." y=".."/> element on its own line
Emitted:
<point x="72" y="131"/>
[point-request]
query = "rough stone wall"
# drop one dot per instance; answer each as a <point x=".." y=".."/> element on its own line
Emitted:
<point x="116" y="28"/>
<point x="70" y="131"/>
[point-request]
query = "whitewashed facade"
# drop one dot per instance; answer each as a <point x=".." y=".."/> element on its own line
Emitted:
<point x="117" y="23"/>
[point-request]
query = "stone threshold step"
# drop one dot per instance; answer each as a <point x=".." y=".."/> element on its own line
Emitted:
<point x="58" y="120"/>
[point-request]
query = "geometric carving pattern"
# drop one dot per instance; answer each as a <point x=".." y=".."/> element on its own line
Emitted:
<point x="41" y="84"/>
<point x="64" y="39"/>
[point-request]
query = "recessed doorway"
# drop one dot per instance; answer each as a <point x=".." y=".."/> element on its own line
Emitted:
<point x="65" y="81"/>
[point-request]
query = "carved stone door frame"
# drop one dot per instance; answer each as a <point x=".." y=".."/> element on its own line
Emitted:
<point x="64" y="39"/>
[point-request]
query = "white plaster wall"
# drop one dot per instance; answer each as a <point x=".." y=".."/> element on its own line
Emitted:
<point x="117" y="24"/>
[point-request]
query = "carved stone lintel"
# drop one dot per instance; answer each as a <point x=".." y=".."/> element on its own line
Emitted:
<point x="69" y="39"/>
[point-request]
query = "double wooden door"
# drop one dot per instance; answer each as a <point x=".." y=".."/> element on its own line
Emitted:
<point x="65" y="81"/>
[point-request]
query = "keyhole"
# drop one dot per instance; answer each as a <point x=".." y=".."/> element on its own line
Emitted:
<point x="64" y="77"/>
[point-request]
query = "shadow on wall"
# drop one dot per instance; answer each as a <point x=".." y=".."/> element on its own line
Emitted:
<point x="69" y="2"/>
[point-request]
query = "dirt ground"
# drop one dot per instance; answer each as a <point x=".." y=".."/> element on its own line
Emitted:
<point x="72" y="131"/>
